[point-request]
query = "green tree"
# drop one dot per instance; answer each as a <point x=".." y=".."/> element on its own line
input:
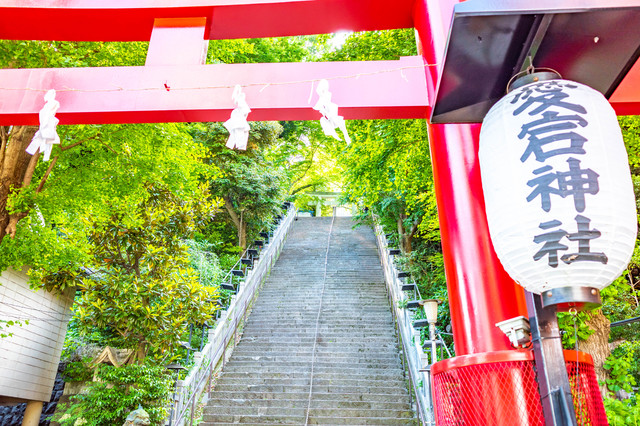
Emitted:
<point x="250" y="185"/>
<point x="107" y="172"/>
<point x="139" y="289"/>
<point x="118" y="391"/>
<point x="19" y="171"/>
<point x="387" y="169"/>
<point x="308" y="157"/>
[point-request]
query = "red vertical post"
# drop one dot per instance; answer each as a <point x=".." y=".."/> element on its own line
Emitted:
<point x="178" y="41"/>
<point x="480" y="292"/>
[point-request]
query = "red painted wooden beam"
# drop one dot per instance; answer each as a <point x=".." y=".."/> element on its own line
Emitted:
<point x="278" y="91"/>
<point x="132" y="20"/>
<point x="626" y="99"/>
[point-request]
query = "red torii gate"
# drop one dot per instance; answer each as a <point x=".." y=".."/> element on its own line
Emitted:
<point x="175" y="85"/>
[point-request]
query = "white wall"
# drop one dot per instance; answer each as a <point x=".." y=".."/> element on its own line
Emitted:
<point x="29" y="359"/>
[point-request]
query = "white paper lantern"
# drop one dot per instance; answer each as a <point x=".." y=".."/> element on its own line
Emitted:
<point x="557" y="187"/>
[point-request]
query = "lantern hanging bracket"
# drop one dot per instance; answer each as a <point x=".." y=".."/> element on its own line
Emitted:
<point x="532" y="75"/>
<point x="534" y="40"/>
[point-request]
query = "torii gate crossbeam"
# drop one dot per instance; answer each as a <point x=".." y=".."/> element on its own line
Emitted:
<point x="279" y="91"/>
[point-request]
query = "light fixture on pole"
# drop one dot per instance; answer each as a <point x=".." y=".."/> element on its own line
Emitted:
<point x="558" y="191"/>
<point x="560" y="208"/>
<point x="430" y="307"/>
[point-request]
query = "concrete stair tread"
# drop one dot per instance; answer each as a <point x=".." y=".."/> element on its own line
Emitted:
<point x="318" y="372"/>
<point x="267" y="388"/>
<point x="303" y="402"/>
<point x="316" y="396"/>
<point x="319" y="382"/>
<point x="291" y="366"/>
<point x="287" y="420"/>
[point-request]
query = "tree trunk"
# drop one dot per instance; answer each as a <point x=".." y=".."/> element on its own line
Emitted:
<point x="597" y="345"/>
<point x="406" y="235"/>
<point x="406" y="242"/>
<point x="16" y="172"/>
<point x="237" y="221"/>
<point x="242" y="235"/>
<point x="141" y="351"/>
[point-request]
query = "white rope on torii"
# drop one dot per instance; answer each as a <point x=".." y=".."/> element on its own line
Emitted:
<point x="237" y="125"/>
<point x="47" y="135"/>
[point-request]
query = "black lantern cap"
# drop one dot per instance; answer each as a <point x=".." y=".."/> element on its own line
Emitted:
<point x="592" y="42"/>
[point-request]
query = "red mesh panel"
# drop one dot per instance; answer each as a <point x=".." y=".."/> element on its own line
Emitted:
<point x="586" y="394"/>
<point x="504" y="393"/>
<point x="500" y="388"/>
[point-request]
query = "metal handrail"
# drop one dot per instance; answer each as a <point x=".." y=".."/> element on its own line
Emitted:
<point x="226" y="329"/>
<point x="230" y="271"/>
<point x="624" y="322"/>
<point x="414" y="356"/>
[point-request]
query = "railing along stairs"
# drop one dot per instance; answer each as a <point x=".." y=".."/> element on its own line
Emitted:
<point x="416" y="361"/>
<point x="246" y="282"/>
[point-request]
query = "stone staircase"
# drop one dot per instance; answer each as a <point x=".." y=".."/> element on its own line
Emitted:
<point x="298" y="365"/>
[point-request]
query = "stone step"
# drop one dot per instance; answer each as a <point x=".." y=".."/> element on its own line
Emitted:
<point x="344" y="319"/>
<point x="311" y="332"/>
<point x="321" y="352"/>
<point x="353" y="350"/>
<point x="323" y="325"/>
<point x="320" y="340"/>
<point x="302" y="402"/>
<point x="365" y="311"/>
<point x="225" y="410"/>
<point x="319" y="375"/>
<point x="329" y="300"/>
<point x="394" y="391"/>
<point x="317" y="398"/>
<point x="321" y="421"/>
<point x="337" y="331"/>
<point x="347" y="381"/>
<point x="319" y="365"/>
<point x="328" y="361"/>
<point x="363" y="343"/>
<point x="284" y="420"/>
<point x="325" y="320"/>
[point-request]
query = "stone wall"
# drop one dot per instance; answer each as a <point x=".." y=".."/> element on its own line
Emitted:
<point x="29" y="358"/>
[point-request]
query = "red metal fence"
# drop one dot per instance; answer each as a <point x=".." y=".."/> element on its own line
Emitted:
<point x="500" y="388"/>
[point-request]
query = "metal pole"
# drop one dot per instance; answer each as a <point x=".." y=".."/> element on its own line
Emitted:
<point x="432" y="337"/>
<point x="193" y="407"/>
<point x="190" y="336"/>
<point x="173" y="401"/>
<point x="553" y="380"/>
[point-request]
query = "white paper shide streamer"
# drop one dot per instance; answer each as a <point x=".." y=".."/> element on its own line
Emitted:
<point x="47" y="135"/>
<point x="330" y="120"/>
<point x="237" y="125"/>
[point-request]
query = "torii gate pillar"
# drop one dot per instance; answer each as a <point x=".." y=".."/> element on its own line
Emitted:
<point x="481" y="293"/>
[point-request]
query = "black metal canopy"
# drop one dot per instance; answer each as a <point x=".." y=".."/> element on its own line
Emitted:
<point x="592" y="42"/>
